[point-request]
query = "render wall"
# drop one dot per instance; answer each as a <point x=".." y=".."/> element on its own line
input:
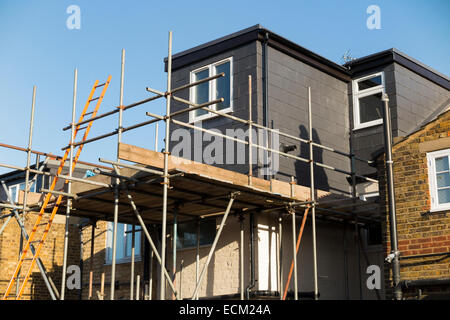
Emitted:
<point x="223" y="273"/>
<point x="337" y="259"/>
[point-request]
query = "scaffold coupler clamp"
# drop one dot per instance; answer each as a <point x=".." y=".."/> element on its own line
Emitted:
<point x="392" y="256"/>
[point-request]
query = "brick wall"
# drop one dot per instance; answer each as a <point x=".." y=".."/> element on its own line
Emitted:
<point x="419" y="231"/>
<point x="99" y="266"/>
<point x="51" y="255"/>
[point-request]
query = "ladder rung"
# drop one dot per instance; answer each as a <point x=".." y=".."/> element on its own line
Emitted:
<point x="35" y="241"/>
<point x="42" y="224"/>
<point x="100" y="85"/>
<point x="89" y="113"/>
<point x="20" y="277"/>
<point x="93" y="99"/>
<point x="82" y="128"/>
<point x="27" y="259"/>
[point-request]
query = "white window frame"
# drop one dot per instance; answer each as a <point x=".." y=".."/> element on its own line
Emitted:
<point x="121" y="237"/>
<point x="357" y="94"/>
<point x="431" y="156"/>
<point x="212" y="88"/>
<point x="17" y="187"/>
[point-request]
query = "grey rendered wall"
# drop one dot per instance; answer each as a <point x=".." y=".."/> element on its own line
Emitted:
<point x="417" y="98"/>
<point x="244" y="64"/>
<point x="288" y="111"/>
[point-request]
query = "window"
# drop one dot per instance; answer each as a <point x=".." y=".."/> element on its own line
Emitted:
<point x="124" y="243"/>
<point x="211" y="90"/>
<point x="187" y="234"/>
<point x="439" y="179"/>
<point x="14" y="190"/>
<point x="367" y="104"/>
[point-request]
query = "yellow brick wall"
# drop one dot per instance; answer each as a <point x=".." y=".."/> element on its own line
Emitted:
<point x="419" y="231"/>
<point x="51" y="255"/>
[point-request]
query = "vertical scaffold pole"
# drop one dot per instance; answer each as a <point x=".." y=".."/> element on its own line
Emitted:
<point x="116" y="187"/>
<point x="241" y="251"/>
<point x="294" y="252"/>
<point x="312" y="196"/>
<point x="162" y="289"/>
<point x="133" y="239"/>
<point x="280" y="256"/>
<point x="27" y="177"/>
<point x="91" y="264"/>
<point x="197" y="258"/>
<point x="69" y="187"/>
<point x="174" y="249"/>
<point x="250" y="128"/>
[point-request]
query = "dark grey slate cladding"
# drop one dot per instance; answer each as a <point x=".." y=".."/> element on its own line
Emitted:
<point x="244" y="64"/>
<point x="288" y="111"/>
<point x="417" y="98"/>
<point x="369" y="140"/>
<point x="412" y="99"/>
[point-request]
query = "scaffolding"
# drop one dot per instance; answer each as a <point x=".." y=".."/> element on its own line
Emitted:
<point x="191" y="185"/>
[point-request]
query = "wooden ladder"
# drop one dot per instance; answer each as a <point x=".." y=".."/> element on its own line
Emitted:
<point x="27" y="257"/>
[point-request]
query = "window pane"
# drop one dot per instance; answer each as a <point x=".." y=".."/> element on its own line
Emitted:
<point x="120" y="251"/>
<point x="443" y="179"/>
<point x="370" y="108"/>
<point x="201" y="91"/>
<point x="187" y="234"/>
<point x="444" y="196"/>
<point x="207" y="232"/>
<point x="129" y="240"/>
<point x="128" y="237"/>
<point x="13" y="193"/>
<point x="223" y="86"/>
<point x="442" y="164"/>
<point x="22" y="186"/>
<point x="369" y="83"/>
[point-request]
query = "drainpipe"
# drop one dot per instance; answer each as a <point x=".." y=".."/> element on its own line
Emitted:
<point x="252" y="258"/>
<point x="393" y="257"/>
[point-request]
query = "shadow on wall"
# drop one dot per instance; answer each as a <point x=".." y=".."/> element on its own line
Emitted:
<point x="302" y="169"/>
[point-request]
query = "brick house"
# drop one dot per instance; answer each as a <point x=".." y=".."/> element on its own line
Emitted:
<point x="421" y="183"/>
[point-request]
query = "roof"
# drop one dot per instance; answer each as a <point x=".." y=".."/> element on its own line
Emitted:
<point x="344" y="73"/>
<point x="434" y="117"/>
<point x="389" y="56"/>
<point x="257" y="33"/>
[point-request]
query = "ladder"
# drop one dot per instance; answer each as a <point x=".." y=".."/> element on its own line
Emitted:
<point x="27" y="257"/>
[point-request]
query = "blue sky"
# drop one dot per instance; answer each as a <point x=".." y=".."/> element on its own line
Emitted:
<point x="36" y="48"/>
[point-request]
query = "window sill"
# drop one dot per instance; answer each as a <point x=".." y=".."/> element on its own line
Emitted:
<point x="368" y="125"/>
<point x="124" y="260"/>
<point x="438" y="210"/>
<point x="211" y="115"/>
<point x="194" y="248"/>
